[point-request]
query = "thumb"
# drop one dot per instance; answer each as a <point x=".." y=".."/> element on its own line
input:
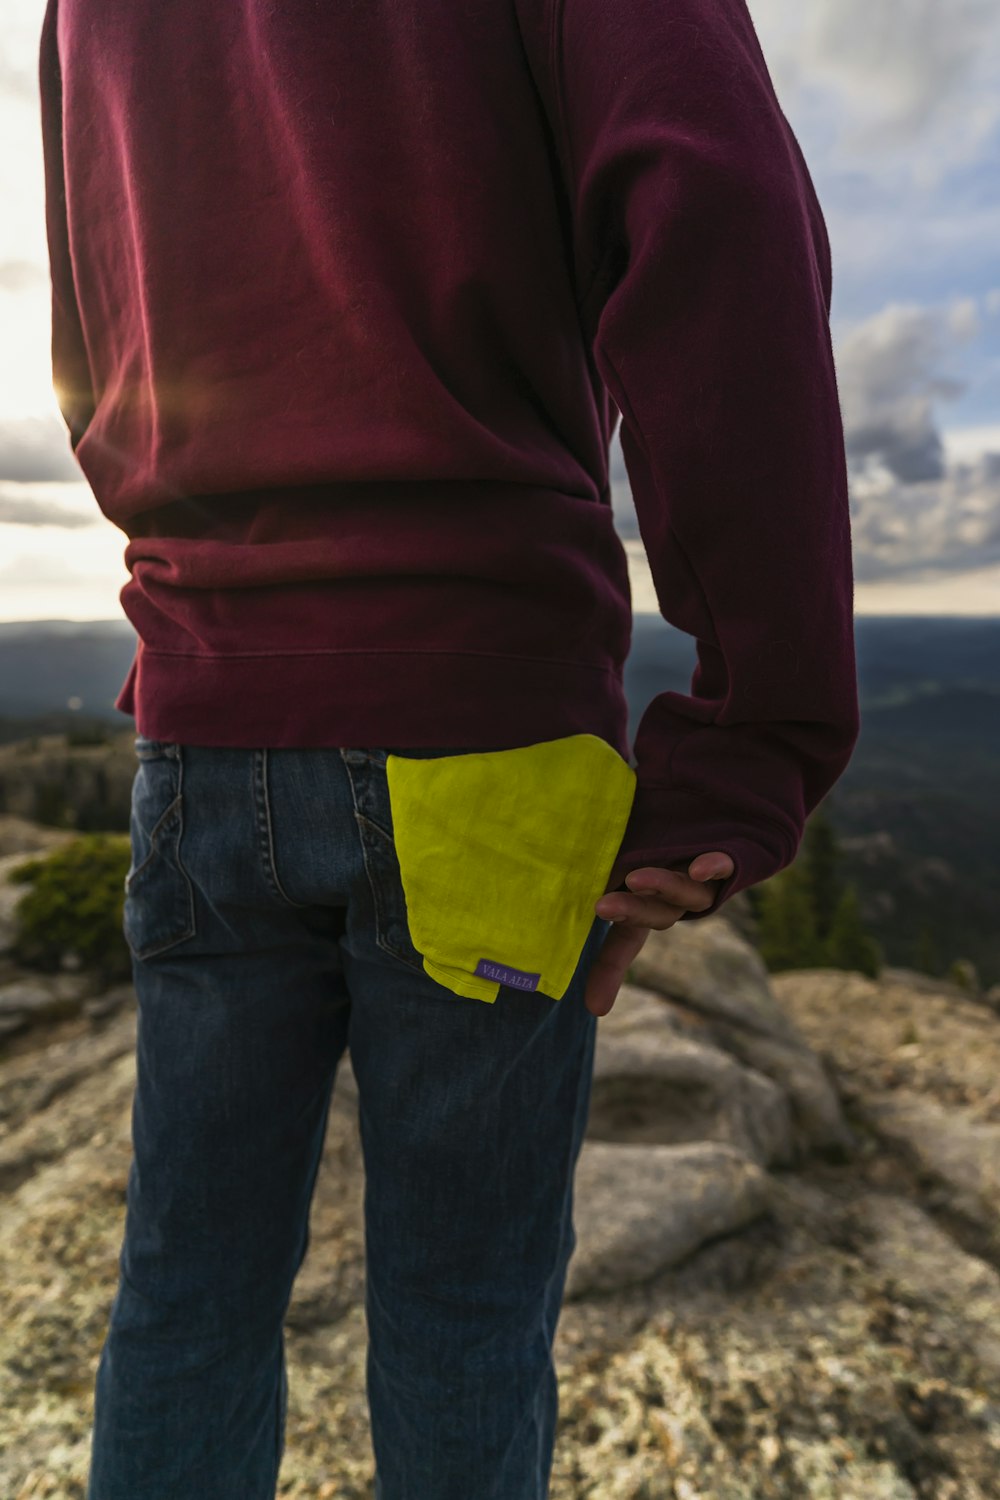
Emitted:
<point x="714" y="866"/>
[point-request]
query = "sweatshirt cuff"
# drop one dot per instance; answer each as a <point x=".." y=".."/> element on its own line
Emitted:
<point x="672" y="825"/>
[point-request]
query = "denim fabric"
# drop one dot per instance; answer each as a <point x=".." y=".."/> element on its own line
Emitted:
<point x="265" y="916"/>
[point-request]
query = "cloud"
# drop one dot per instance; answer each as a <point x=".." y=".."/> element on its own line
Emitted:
<point x="889" y="371"/>
<point x="32" y="570"/>
<point x="947" y="526"/>
<point x="34" y="449"/>
<point x="895" y="74"/>
<point x="913" y="508"/>
<point x="905" y="63"/>
<point x="21" y="275"/>
<point x="18" y="80"/>
<point x="21" y="505"/>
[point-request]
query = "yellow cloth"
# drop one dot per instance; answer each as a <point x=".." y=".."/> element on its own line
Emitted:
<point x="503" y="854"/>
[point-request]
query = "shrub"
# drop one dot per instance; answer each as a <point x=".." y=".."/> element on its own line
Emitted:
<point x="962" y="971"/>
<point x="74" y="904"/>
<point x="88" y="734"/>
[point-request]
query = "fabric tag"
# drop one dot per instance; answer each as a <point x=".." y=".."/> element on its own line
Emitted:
<point x="517" y="978"/>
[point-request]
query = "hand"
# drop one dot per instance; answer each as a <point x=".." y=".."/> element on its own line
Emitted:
<point x="660" y="897"/>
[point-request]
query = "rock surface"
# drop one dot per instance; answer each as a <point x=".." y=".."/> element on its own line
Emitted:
<point x="643" y="1208"/>
<point x="785" y="1282"/>
<point x="919" y="1072"/>
<point x="717" y="977"/>
<point x="659" y="1080"/>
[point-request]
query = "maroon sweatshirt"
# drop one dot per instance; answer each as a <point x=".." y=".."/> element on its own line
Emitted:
<point x="346" y="303"/>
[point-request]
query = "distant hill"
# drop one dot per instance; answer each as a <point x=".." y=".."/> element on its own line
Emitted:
<point x="47" y="665"/>
<point x="904" y="663"/>
<point x="917" y="808"/>
<point x="919" y="814"/>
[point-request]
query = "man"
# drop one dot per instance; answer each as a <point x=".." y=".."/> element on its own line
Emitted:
<point x="347" y="301"/>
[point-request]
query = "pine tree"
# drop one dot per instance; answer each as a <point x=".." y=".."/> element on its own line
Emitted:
<point x="787" y="935"/>
<point x="807" y="917"/>
<point x="820" y="857"/>
<point x="848" y="945"/>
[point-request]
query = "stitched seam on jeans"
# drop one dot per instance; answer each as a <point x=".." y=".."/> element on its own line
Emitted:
<point x="272" y="869"/>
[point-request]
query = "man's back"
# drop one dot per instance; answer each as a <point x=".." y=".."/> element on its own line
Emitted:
<point x="347" y="301"/>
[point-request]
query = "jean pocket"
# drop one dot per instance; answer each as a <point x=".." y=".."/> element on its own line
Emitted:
<point x="158" y="911"/>
<point x="374" y="819"/>
<point x="392" y="931"/>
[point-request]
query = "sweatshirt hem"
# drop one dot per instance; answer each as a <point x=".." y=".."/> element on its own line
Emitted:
<point x="357" y="698"/>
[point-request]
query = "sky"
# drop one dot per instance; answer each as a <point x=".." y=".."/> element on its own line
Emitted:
<point x="897" y="108"/>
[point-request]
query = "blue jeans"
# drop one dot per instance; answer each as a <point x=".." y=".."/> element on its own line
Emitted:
<point x="265" y="916"/>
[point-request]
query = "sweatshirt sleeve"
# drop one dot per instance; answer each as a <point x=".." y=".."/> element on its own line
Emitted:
<point x="71" y="377"/>
<point x="703" y="279"/>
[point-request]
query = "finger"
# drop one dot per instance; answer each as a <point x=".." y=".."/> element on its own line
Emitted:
<point x="714" y="866"/>
<point x="607" y="973"/>
<point x="674" y="886"/>
<point x="642" y="911"/>
<point x="669" y="886"/>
